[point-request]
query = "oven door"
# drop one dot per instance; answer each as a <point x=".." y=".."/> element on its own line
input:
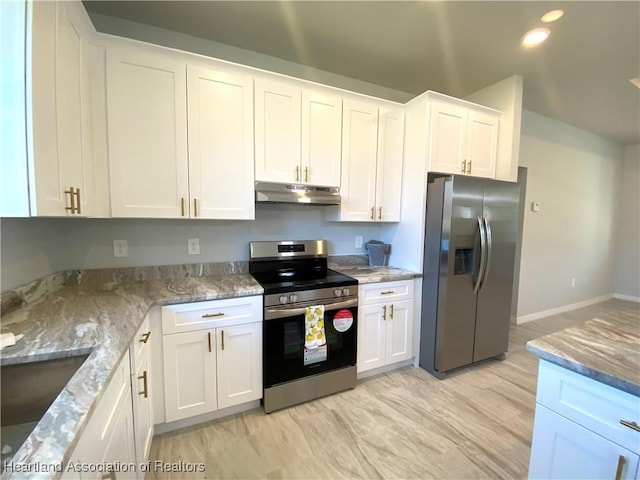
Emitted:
<point x="284" y="355"/>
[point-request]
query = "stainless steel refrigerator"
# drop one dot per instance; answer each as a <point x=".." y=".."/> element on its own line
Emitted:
<point x="470" y="245"/>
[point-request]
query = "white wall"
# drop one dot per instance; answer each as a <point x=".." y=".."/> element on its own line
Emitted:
<point x="181" y="41"/>
<point x="35" y="247"/>
<point x="627" y="282"/>
<point x="576" y="177"/>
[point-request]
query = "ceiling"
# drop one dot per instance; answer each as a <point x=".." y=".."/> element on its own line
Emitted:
<point x="579" y="76"/>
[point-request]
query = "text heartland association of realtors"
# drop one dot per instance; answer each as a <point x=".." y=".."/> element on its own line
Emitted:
<point x="103" y="467"/>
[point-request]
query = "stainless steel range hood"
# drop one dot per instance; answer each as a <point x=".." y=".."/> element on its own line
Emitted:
<point x="295" y="193"/>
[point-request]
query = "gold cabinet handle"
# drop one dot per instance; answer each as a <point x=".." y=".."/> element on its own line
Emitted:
<point x="182" y="206"/>
<point x="145" y="337"/>
<point x="391" y="315"/>
<point x="373" y="213"/>
<point x="72" y="199"/>
<point x="379" y="213"/>
<point x="209" y="315"/>
<point x="464" y="167"/>
<point x="621" y="462"/>
<point x="222" y="331"/>
<point x="195" y="207"/>
<point x="387" y="292"/>
<point x="109" y="476"/>
<point x="306" y="174"/>
<point x="384" y="312"/>
<point x="297" y="173"/>
<point x="78" y="204"/>
<point x="469" y="167"/>
<point x="631" y="425"/>
<point x="209" y="340"/>
<point x="144" y="391"/>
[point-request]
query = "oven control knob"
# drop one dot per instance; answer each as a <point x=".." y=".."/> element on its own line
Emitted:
<point x="293" y="297"/>
<point x="345" y="291"/>
<point x="337" y="292"/>
<point x="283" y="299"/>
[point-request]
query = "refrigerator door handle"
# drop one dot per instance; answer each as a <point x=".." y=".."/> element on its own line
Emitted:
<point x="487" y="228"/>
<point x="483" y="250"/>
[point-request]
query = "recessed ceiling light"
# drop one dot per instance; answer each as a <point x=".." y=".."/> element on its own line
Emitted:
<point x="535" y="37"/>
<point x="552" y="16"/>
<point x="635" y="81"/>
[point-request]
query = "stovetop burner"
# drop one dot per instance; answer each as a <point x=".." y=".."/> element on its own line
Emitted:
<point x="290" y="266"/>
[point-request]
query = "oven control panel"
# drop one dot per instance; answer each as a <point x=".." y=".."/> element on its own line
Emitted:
<point x="318" y="294"/>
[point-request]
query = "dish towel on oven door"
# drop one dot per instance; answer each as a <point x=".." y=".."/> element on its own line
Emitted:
<point x="315" y="341"/>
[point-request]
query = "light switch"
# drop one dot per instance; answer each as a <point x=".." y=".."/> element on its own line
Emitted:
<point x="535" y="206"/>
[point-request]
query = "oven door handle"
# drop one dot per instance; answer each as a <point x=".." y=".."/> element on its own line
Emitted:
<point x="272" y="313"/>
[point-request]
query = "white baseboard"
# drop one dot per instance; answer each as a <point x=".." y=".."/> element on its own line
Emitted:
<point x="385" y="369"/>
<point x="565" y="308"/>
<point x="629" y="298"/>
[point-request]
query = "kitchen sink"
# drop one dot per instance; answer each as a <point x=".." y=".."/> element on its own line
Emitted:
<point x="27" y="391"/>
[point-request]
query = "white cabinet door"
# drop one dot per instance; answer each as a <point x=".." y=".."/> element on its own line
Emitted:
<point x="14" y="180"/>
<point x="239" y="364"/>
<point x="143" y="408"/>
<point x="359" y="157"/>
<point x="563" y="449"/>
<point x="389" y="168"/>
<point x="482" y="143"/>
<point x="120" y="447"/>
<point x="147" y="124"/>
<point x="189" y="374"/>
<point x="58" y="110"/>
<point x="221" y="170"/>
<point x="399" y="331"/>
<point x="447" y="139"/>
<point x="277" y="132"/>
<point x="321" y="139"/>
<point x="372" y="332"/>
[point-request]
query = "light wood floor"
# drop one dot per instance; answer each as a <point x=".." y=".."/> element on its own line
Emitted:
<point x="476" y="423"/>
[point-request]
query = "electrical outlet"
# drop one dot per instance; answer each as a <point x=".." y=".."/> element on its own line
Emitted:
<point x="358" y="242"/>
<point x="573" y="282"/>
<point x="120" y="248"/>
<point x="193" y="246"/>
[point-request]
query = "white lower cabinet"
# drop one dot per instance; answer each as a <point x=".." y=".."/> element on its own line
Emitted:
<point x="140" y="353"/>
<point x="385" y="324"/>
<point x="108" y="437"/>
<point x="219" y="363"/>
<point x="578" y="431"/>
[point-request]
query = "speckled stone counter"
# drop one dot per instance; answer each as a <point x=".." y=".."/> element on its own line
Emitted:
<point x="96" y="312"/>
<point x="367" y="274"/>
<point x="606" y="350"/>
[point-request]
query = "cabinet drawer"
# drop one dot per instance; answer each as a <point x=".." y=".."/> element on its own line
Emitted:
<point x="592" y="404"/>
<point x="187" y="317"/>
<point x="385" y="292"/>
<point x="140" y="343"/>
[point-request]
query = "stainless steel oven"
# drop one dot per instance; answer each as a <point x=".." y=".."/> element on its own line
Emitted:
<point x="304" y="299"/>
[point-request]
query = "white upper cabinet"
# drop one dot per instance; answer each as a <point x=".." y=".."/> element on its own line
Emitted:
<point x="321" y="139"/>
<point x="14" y="181"/>
<point x="297" y="134"/>
<point x="147" y="124"/>
<point x="220" y="124"/>
<point x="58" y="114"/>
<point x="463" y="138"/>
<point x="389" y="168"/>
<point x="372" y="146"/>
<point x="278" y="132"/>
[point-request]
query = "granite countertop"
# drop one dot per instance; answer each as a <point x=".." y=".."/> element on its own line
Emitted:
<point x="368" y="274"/>
<point x="98" y="312"/>
<point x="606" y="350"/>
<point x="99" y="318"/>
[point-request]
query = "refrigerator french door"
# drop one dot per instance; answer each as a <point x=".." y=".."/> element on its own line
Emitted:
<point x="470" y="244"/>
